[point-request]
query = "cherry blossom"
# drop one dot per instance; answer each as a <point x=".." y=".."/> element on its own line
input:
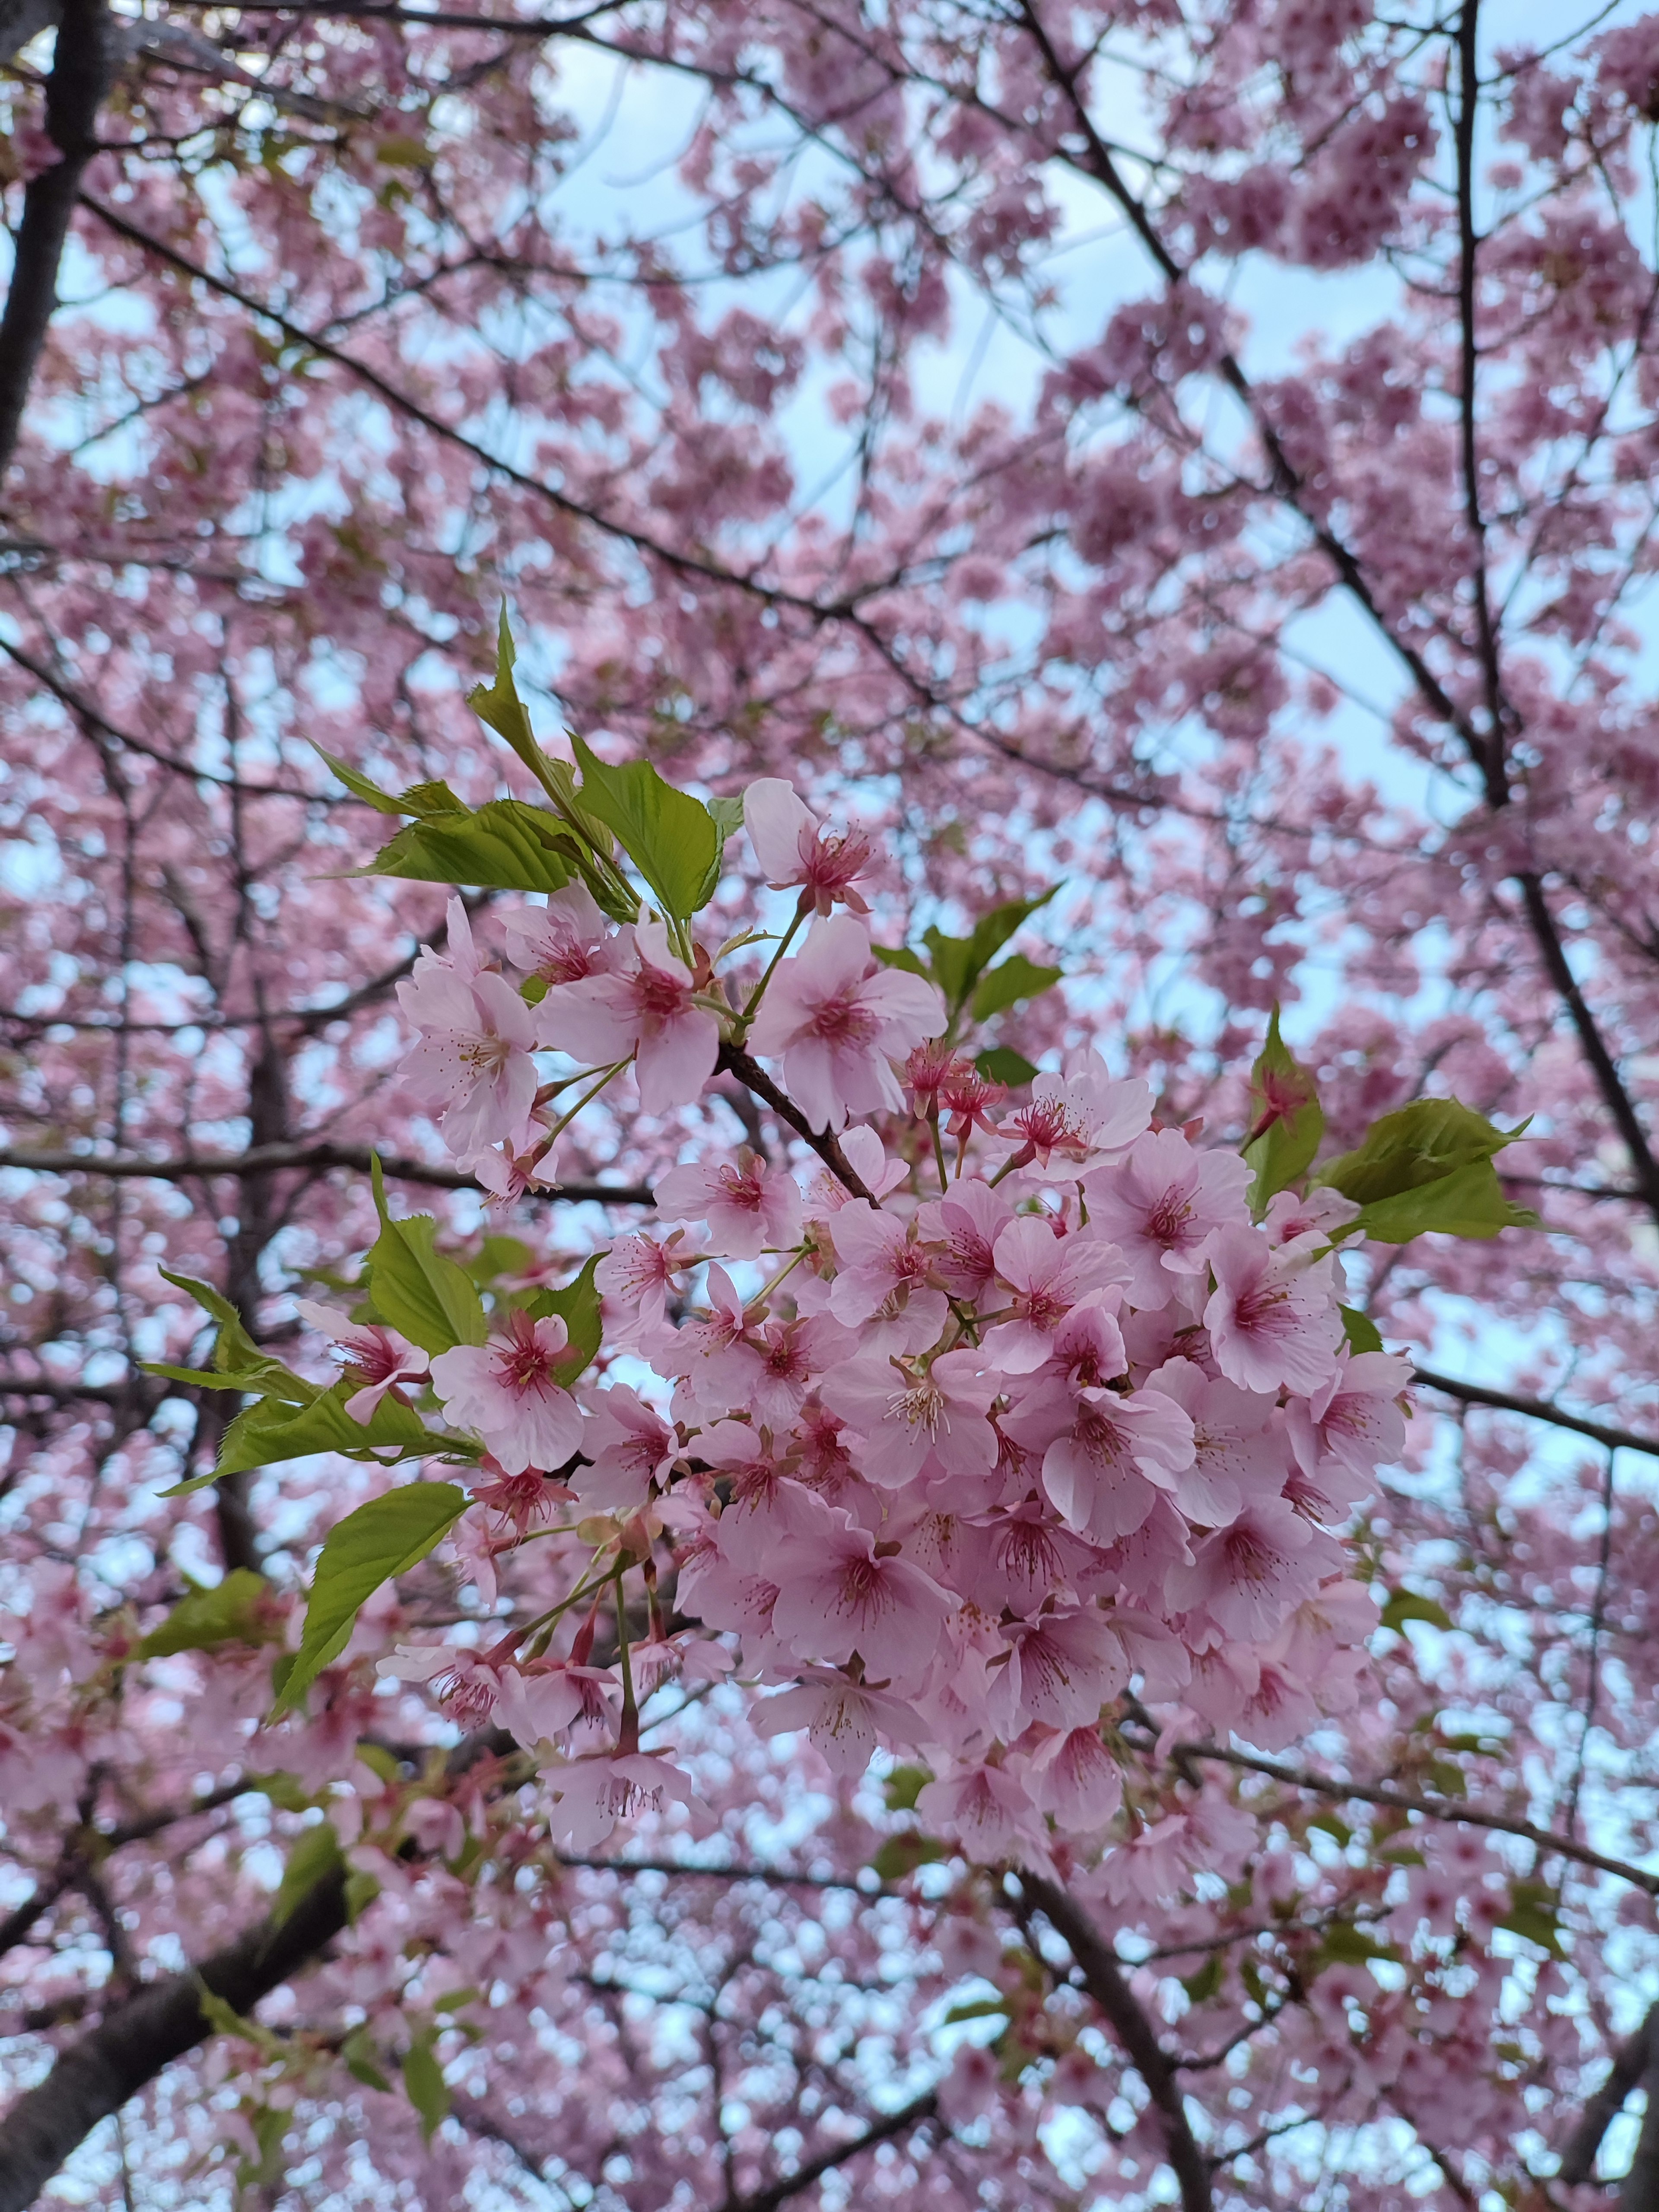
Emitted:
<point x="837" y="1019"/>
<point x="378" y="1358"/>
<point x="1270" y="1318"/>
<point x="749" y="1206"/>
<point x="472" y="1059"/>
<point x="792" y="848"/>
<point x="644" y="1005"/>
<point x="508" y="1390"/>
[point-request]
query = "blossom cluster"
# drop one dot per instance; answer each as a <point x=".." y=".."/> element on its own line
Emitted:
<point x="951" y="1455"/>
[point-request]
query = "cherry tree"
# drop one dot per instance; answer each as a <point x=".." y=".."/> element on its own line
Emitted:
<point x="865" y="1614"/>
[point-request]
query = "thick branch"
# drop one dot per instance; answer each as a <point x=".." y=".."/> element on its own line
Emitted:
<point x="1537" y="1409"/>
<point x="266" y="1159"/>
<point x="754" y="1076"/>
<point x="129" y="2048"/>
<point x="1104" y="1980"/>
<point x="80" y="72"/>
<point x="1630" y="2062"/>
<point x="1432" y="1808"/>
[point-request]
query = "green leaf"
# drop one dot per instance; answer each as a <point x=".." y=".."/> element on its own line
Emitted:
<point x="269" y="1432"/>
<point x="1017" y="978"/>
<point x="359" y="2053"/>
<point x="1333" y="1825"/>
<point x="1468" y="1203"/>
<point x="577" y="1306"/>
<point x="1349" y="1945"/>
<point x="903" y="1786"/>
<point x="992" y="930"/>
<point x="232" y="1612"/>
<point x="1424" y="1143"/>
<point x="358" y="786"/>
<point x="360" y="1891"/>
<point x="1286" y="1120"/>
<point x="902" y="1855"/>
<point x="234" y="1352"/>
<point x="1406" y="1605"/>
<point x="1533" y="1914"/>
<point x="381" y="1540"/>
<point x="1361" y="1331"/>
<point x="959" y="961"/>
<point x="976" y="2009"/>
<point x="1206" y="1982"/>
<point x="424" y="2081"/>
<point x="1000" y="1065"/>
<point x="425" y="799"/>
<point x="315" y="1856"/>
<point x="453" y="2000"/>
<point x="726" y="815"/>
<point x="434" y="1303"/>
<point x="900" y="955"/>
<point x="224" y="2019"/>
<point x="499" y="706"/>
<point x="505" y="845"/>
<point x="669" y="836"/>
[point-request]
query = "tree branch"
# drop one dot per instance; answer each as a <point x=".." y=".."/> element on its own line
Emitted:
<point x="734" y="1061"/>
<point x="1433" y="1808"/>
<point x="1537" y="1409"/>
<point x="266" y="1159"/>
<point x="129" y="2048"/>
<point x="81" y="70"/>
<point x="925" y="2107"/>
<point x="1630" y="2062"/>
<point x="1104" y="1980"/>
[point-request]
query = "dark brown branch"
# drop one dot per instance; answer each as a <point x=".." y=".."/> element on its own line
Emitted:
<point x="1630" y="2062"/>
<point x="1104" y="1980"/>
<point x="81" y="68"/>
<point x="1432" y="1808"/>
<point x="924" y="2107"/>
<point x="1537" y="1409"/>
<point x="735" y="1061"/>
<point x="266" y="1159"/>
<point x="97" y="2075"/>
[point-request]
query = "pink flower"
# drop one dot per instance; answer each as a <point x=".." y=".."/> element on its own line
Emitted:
<point x="846" y="1595"/>
<point x="845" y="1719"/>
<point x="1354" y="1418"/>
<point x="1073" y="1776"/>
<point x="792" y="848"/>
<point x="1273" y="1318"/>
<point x="1063" y="1668"/>
<point x="988" y="1810"/>
<point x="631" y="1447"/>
<point x="906" y="1420"/>
<point x="564" y="941"/>
<point x="883" y="1271"/>
<point x="1076" y="1120"/>
<point x="748" y="1208"/>
<point x="556" y="1700"/>
<point x="1107" y="1455"/>
<point x="378" y="1358"/>
<point x="1238" y="1442"/>
<point x="1159" y="1206"/>
<point x="638" y="1272"/>
<point x="791" y="1354"/>
<point x="472" y="1062"/>
<point x="508" y="1391"/>
<point x="838" y="1019"/>
<point x="590" y="1795"/>
<point x="1248" y="1576"/>
<point x="1048" y="1275"/>
<point x="643" y="1006"/>
<point x="967" y="1224"/>
<point x="826" y="1195"/>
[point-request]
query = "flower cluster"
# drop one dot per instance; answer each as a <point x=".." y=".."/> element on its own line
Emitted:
<point x="948" y="1455"/>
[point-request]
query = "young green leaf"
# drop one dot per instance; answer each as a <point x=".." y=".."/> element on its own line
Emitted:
<point x="380" y="1541"/>
<point x="358" y="786"/>
<point x="231" y="1612"/>
<point x="1286" y="1120"/>
<point x="434" y="1303"/>
<point x="505" y="845"/>
<point x="234" y="1351"/>
<point x="726" y="815"/>
<point x="669" y="836"/>
<point x="1423" y="1143"/>
<point x="424" y="2081"/>
<point x="499" y="706"/>
<point x="578" y="1306"/>
<point x="1470" y="1203"/>
<point x="1015" y="979"/>
<point x="1000" y="1065"/>
<point x="900" y="955"/>
<point x="269" y="1433"/>
<point x="1360" y="1330"/>
<point x="358" y="2054"/>
<point x="315" y="1856"/>
<point x="1406" y="1605"/>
